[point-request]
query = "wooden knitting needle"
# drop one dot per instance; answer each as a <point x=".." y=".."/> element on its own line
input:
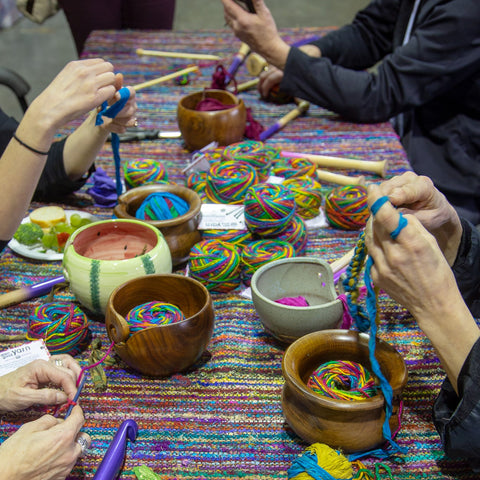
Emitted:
<point x="255" y="64"/>
<point x="238" y="59"/>
<point x="193" y="56"/>
<point x="380" y="167"/>
<point x="339" y="179"/>
<point x="301" y="108"/>
<point x="165" y="78"/>
<point x="342" y="262"/>
<point x="241" y="87"/>
<point x="25" y="293"/>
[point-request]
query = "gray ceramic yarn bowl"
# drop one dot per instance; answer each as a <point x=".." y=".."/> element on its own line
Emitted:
<point x="311" y="278"/>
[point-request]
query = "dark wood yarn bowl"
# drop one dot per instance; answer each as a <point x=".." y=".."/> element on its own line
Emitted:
<point x="161" y="351"/>
<point x="199" y="128"/>
<point x="181" y="233"/>
<point x="352" y="426"/>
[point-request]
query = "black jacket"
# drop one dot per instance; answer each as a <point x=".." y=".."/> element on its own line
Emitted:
<point x="457" y="417"/>
<point x="433" y="81"/>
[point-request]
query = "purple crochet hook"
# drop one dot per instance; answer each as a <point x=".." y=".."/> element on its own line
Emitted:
<point x="112" y="462"/>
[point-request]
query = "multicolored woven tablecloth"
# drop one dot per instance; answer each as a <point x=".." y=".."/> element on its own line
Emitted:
<point x="223" y="419"/>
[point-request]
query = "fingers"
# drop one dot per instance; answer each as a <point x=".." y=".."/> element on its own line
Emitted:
<point x="41" y="424"/>
<point x="118" y="81"/>
<point x="46" y="373"/>
<point x="67" y="362"/>
<point x="83" y="443"/>
<point x="268" y="79"/>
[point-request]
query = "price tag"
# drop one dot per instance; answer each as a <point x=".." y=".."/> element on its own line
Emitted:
<point x="222" y="217"/>
<point x="16" y="357"/>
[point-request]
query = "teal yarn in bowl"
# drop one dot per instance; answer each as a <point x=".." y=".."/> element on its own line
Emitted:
<point x="162" y="206"/>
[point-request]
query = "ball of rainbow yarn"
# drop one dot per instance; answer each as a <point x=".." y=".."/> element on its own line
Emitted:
<point x="295" y="234"/>
<point x="196" y="181"/>
<point x="236" y="237"/>
<point x="216" y="265"/>
<point x="321" y="461"/>
<point x="343" y="380"/>
<point x="162" y="206"/>
<point x="268" y="209"/>
<point x="153" y="314"/>
<point x="346" y="207"/>
<point x="214" y="155"/>
<point x="144" y="171"/>
<point x="253" y="152"/>
<point x="228" y="182"/>
<point x="62" y="325"/>
<point x="308" y="195"/>
<point x="261" y="252"/>
<point x="293" y="167"/>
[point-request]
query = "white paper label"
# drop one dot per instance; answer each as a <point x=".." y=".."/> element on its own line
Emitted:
<point x="16" y="357"/>
<point x="216" y="216"/>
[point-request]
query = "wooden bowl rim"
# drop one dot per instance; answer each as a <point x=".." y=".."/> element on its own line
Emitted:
<point x="337" y="404"/>
<point x="193" y="211"/>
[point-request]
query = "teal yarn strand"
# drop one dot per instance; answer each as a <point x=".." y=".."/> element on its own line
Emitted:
<point x="62" y="325"/>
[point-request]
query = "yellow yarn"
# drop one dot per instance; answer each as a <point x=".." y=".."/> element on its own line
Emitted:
<point x="333" y="462"/>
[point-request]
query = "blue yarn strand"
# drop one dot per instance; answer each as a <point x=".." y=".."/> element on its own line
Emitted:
<point x="112" y="112"/>
<point x="378" y="204"/>
<point x="307" y="463"/>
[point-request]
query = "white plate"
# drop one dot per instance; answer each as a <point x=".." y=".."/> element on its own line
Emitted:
<point x="38" y="252"/>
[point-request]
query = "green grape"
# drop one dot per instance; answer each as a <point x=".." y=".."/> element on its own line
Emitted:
<point x="75" y="220"/>
<point x="85" y="221"/>
<point x="61" y="227"/>
<point x="48" y="239"/>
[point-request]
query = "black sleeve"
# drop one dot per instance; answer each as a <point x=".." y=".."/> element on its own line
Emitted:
<point x="467" y="267"/>
<point x="371" y="32"/>
<point x="457" y="417"/>
<point x="54" y="183"/>
<point x="443" y="51"/>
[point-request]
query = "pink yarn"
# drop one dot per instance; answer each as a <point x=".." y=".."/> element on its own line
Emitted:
<point x="293" y="301"/>
<point x="212" y="104"/>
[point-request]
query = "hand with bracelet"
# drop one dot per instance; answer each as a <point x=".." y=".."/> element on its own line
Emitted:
<point x="79" y="88"/>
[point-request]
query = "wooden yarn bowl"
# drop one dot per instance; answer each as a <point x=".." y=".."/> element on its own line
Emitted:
<point x="181" y="233"/>
<point x="199" y="128"/>
<point x="351" y="426"/>
<point x="309" y="277"/>
<point x="161" y="350"/>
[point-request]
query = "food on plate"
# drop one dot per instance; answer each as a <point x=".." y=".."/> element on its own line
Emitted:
<point x="28" y="234"/>
<point x="49" y="216"/>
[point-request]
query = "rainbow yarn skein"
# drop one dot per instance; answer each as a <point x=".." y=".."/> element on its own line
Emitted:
<point x="196" y="181"/>
<point x="254" y="153"/>
<point x="293" y="167"/>
<point x="144" y="171"/>
<point x="343" y="380"/>
<point x="228" y="182"/>
<point x="237" y="237"/>
<point x="215" y="264"/>
<point x="269" y="209"/>
<point x="347" y="208"/>
<point x="261" y="252"/>
<point x="153" y="314"/>
<point x="162" y="206"/>
<point x="62" y="325"/>
<point x="308" y="195"/>
<point x="296" y="234"/>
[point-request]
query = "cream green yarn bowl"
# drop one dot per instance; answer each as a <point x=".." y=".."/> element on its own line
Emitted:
<point x="92" y="280"/>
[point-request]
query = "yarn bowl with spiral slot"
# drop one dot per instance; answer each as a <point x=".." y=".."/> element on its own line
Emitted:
<point x="310" y="278"/>
<point x="102" y="255"/>
<point x="349" y="425"/>
<point x="181" y="232"/>
<point x="199" y="128"/>
<point x="161" y="350"/>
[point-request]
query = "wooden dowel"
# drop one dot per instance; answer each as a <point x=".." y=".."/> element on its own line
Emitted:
<point x="339" y="179"/>
<point x="165" y="78"/>
<point x="342" y="262"/>
<point x="379" y="167"/>
<point x="241" y="87"/>
<point x="255" y="64"/>
<point x="193" y="56"/>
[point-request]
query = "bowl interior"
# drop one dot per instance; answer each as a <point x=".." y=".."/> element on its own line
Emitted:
<point x="310" y="278"/>
<point x="114" y="240"/>
<point x="191" y="101"/>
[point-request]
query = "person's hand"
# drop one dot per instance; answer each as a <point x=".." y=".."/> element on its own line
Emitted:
<point x="411" y="268"/>
<point x="416" y="195"/>
<point x="126" y="117"/>
<point x="33" y="384"/>
<point x="258" y="30"/>
<point x="80" y="87"/>
<point x="269" y="78"/>
<point x="45" y="449"/>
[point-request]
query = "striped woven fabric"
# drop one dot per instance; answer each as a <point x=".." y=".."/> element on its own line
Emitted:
<point x="223" y="418"/>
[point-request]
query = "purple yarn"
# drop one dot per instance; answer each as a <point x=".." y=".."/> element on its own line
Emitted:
<point x="294" y="301"/>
